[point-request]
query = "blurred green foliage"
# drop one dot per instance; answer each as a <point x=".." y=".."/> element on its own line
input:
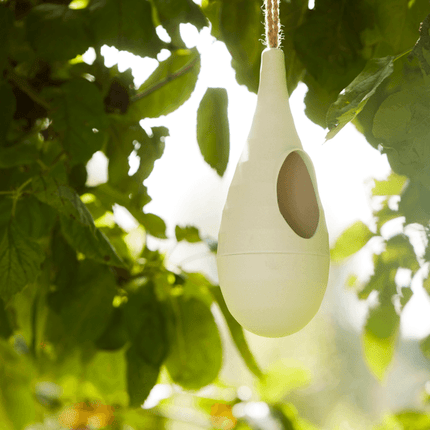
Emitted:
<point x="90" y="320"/>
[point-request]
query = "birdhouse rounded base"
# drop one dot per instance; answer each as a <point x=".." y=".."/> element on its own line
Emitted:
<point x="273" y="294"/>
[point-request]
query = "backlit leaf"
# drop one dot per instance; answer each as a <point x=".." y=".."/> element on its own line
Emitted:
<point x="126" y="25"/>
<point x="425" y="346"/>
<point x="353" y="98"/>
<point x="17" y="406"/>
<point x="107" y="371"/>
<point x="282" y="377"/>
<point x="351" y="241"/>
<point x="62" y="198"/>
<point x="93" y="244"/>
<point x="168" y="87"/>
<point x="141" y="377"/>
<point x="188" y="233"/>
<point x="422" y="47"/>
<point x="380" y="338"/>
<point x="213" y="133"/>
<point x="195" y="356"/>
<point x="237" y="334"/>
<point x="5" y="326"/>
<point x="392" y="186"/>
<point x="244" y="46"/>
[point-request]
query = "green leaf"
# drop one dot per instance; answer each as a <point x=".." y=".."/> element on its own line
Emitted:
<point x="237" y="334"/>
<point x="402" y="126"/>
<point x="351" y="241"/>
<point x="17" y="405"/>
<point x="402" y="116"/>
<point x="244" y="46"/>
<point x="398" y="23"/>
<point x="188" y="233"/>
<point x="392" y="186"/>
<point x="425" y="346"/>
<point x="8" y="156"/>
<point x="64" y="260"/>
<point x="382" y="279"/>
<point x="400" y="252"/>
<point x="195" y="356"/>
<point x="282" y="377"/>
<point x="426" y="284"/>
<point x="5" y="326"/>
<point x="150" y="150"/>
<point x="153" y="224"/>
<point x="57" y="32"/>
<point x="384" y="215"/>
<point x="63" y="199"/>
<point x="406" y="295"/>
<point x="291" y="16"/>
<point x="141" y="377"/>
<point x="17" y="155"/>
<point x="380" y="338"/>
<point x="318" y="100"/>
<point x="126" y="25"/>
<point x="332" y="58"/>
<point x="78" y="116"/>
<point x="145" y="323"/>
<point x="107" y="371"/>
<point x="415" y="203"/>
<point x="171" y="13"/>
<point x="213" y="134"/>
<point x="34" y="217"/>
<point x="6" y="24"/>
<point x="115" y="335"/>
<point x="122" y="140"/>
<point x="168" y="87"/>
<point x="81" y="309"/>
<point x="20" y="260"/>
<point x="93" y="244"/>
<point x="422" y="47"/>
<point x="406" y="420"/>
<point x="354" y="97"/>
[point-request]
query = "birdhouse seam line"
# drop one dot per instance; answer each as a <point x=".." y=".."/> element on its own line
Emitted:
<point x="274" y="252"/>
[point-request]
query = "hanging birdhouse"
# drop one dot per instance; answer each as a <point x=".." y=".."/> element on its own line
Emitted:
<point x="273" y="252"/>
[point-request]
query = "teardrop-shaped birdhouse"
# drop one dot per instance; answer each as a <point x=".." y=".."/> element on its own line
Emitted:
<point x="273" y="252"/>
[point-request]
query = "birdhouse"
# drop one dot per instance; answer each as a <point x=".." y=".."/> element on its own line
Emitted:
<point x="273" y="252"/>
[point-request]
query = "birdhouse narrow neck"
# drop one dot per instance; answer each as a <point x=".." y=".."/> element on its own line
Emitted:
<point x="273" y="123"/>
<point x="273" y="82"/>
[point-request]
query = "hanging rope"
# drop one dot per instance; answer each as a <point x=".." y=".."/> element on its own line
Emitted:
<point x="273" y="36"/>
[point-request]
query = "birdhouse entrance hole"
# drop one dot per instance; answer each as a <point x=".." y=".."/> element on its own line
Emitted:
<point x="297" y="200"/>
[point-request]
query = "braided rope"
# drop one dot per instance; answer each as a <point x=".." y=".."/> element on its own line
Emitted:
<point x="273" y="37"/>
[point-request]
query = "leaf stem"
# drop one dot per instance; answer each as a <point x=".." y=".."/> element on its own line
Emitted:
<point x="402" y="54"/>
<point x="24" y="86"/>
<point x="17" y="194"/>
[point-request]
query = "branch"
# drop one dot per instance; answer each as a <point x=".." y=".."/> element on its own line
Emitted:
<point x="165" y="81"/>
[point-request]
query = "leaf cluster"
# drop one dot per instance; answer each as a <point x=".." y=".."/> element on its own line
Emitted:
<point x="84" y="303"/>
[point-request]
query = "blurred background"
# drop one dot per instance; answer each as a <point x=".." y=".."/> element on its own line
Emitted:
<point x="321" y="369"/>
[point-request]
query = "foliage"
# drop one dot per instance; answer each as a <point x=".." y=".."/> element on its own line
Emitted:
<point x="88" y="322"/>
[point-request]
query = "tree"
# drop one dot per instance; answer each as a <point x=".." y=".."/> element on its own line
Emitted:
<point x="83" y="311"/>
